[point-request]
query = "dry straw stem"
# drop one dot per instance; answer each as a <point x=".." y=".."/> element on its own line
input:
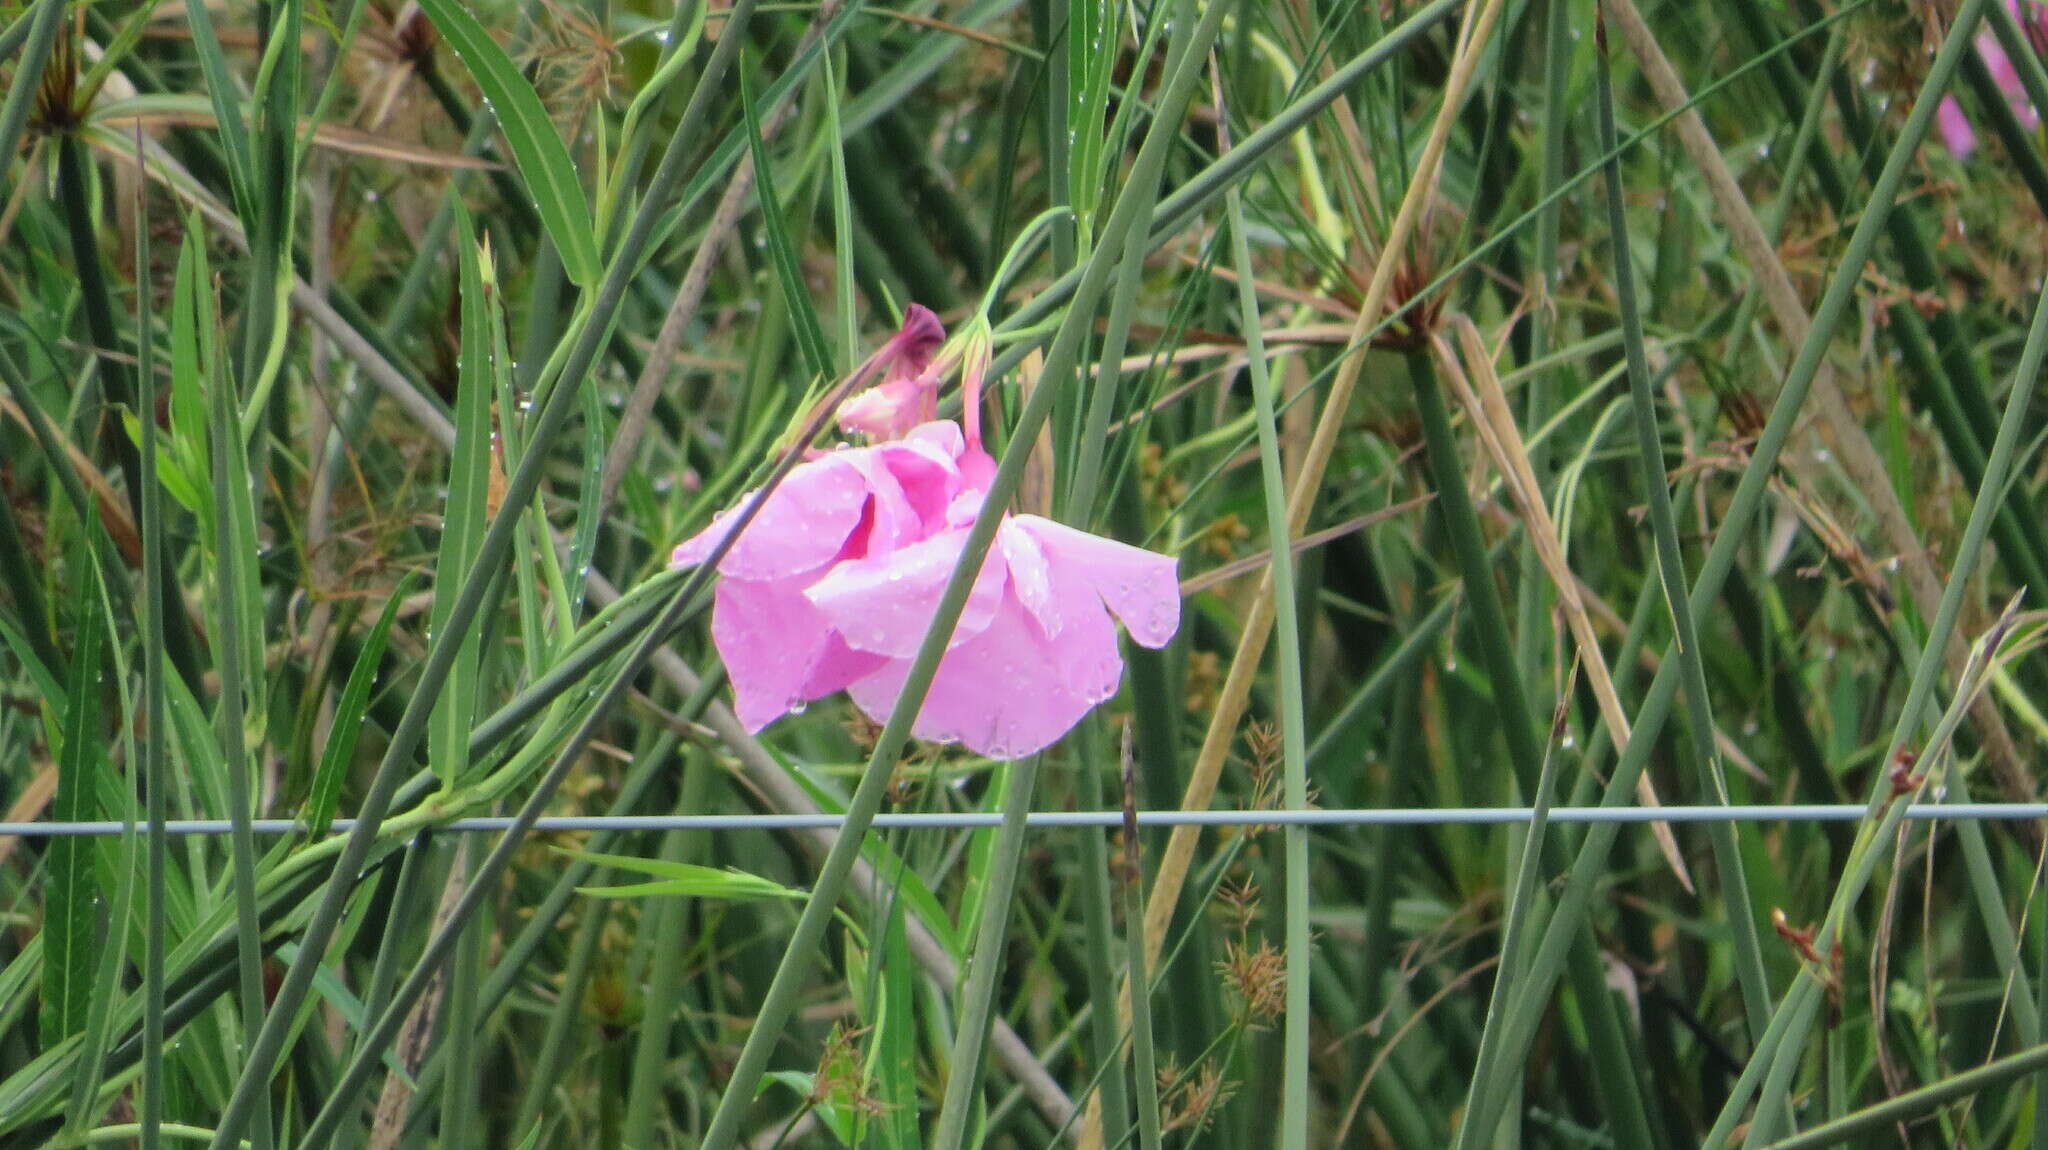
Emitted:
<point x="1258" y="625"/>
<point x="1851" y="444"/>
<point x="1495" y="423"/>
<point x="394" y="1102"/>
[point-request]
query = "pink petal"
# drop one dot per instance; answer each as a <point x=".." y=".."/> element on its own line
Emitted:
<point x="1000" y="693"/>
<point x="896" y="519"/>
<point x="802" y="526"/>
<point x="1030" y="576"/>
<point x="1085" y="654"/>
<point x="919" y="337"/>
<point x="2001" y="68"/>
<point x="905" y="397"/>
<point x="773" y="642"/>
<point x="885" y="409"/>
<point x="1956" y="134"/>
<point x="1139" y="585"/>
<point x="885" y="604"/>
<point x="926" y="465"/>
<point x="838" y="667"/>
<point x="1067" y="609"/>
<point x="961" y="512"/>
<point x="941" y="436"/>
<point x="977" y="468"/>
<point x="912" y="480"/>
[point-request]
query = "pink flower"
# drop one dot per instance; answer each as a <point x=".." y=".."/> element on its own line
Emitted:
<point x="1956" y="133"/>
<point x="1035" y="648"/>
<point x="834" y="583"/>
<point x="842" y="506"/>
<point x="909" y="392"/>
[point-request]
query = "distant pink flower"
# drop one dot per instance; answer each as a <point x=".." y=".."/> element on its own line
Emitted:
<point x="834" y="583"/>
<point x="1956" y="133"/>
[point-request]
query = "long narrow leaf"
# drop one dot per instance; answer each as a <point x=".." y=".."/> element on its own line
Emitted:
<point x="71" y="891"/>
<point x="339" y="753"/>
<point x="537" y="150"/>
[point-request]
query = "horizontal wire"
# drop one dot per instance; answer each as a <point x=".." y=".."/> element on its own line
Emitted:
<point x="1052" y="820"/>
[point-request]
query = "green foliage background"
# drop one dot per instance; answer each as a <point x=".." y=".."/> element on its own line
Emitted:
<point x="1644" y="393"/>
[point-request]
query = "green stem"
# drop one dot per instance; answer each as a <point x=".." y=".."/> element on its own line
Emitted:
<point x="155" y="785"/>
<point x="224" y="432"/>
<point x="1736" y="903"/>
<point x="97" y="302"/>
<point x="1614" y="1066"/>
<point x="491" y="554"/>
<point x="970" y="1037"/>
<point x="665" y="975"/>
<point x="1206" y="186"/>
<point x="33" y="35"/>
<point x="122" y="1132"/>
<point x="568" y="1007"/>
<point x="1515" y="1030"/>
<point x="2005" y="943"/>
<point x="1532" y="590"/>
<point x="1905" y="1107"/>
<point x="2025" y="61"/>
<point x="459" y="1096"/>
<point x="780" y="1000"/>
<point x="406" y="908"/>
<point x="1293" y="728"/>
<point x="1098" y="933"/>
<point x="1144" y="1065"/>
<point x="544" y="923"/>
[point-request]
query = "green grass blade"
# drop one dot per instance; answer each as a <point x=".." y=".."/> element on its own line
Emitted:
<point x="1904" y="1108"/>
<point x="1092" y="33"/>
<point x="339" y="754"/>
<point x="154" y="744"/>
<point x="71" y="889"/>
<point x="463" y="522"/>
<point x="106" y="982"/>
<point x="38" y="30"/>
<point x="237" y="646"/>
<point x="1735" y="894"/>
<point x="227" y="109"/>
<point x="1574" y="901"/>
<point x="543" y="162"/>
<point x="846" y="323"/>
<point x="810" y="334"/>
<point x="970" y="1035"/>
<point x="1294" y="1112"/>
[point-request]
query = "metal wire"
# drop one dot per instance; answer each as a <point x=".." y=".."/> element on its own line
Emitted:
<point x="1054" y="820"/>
